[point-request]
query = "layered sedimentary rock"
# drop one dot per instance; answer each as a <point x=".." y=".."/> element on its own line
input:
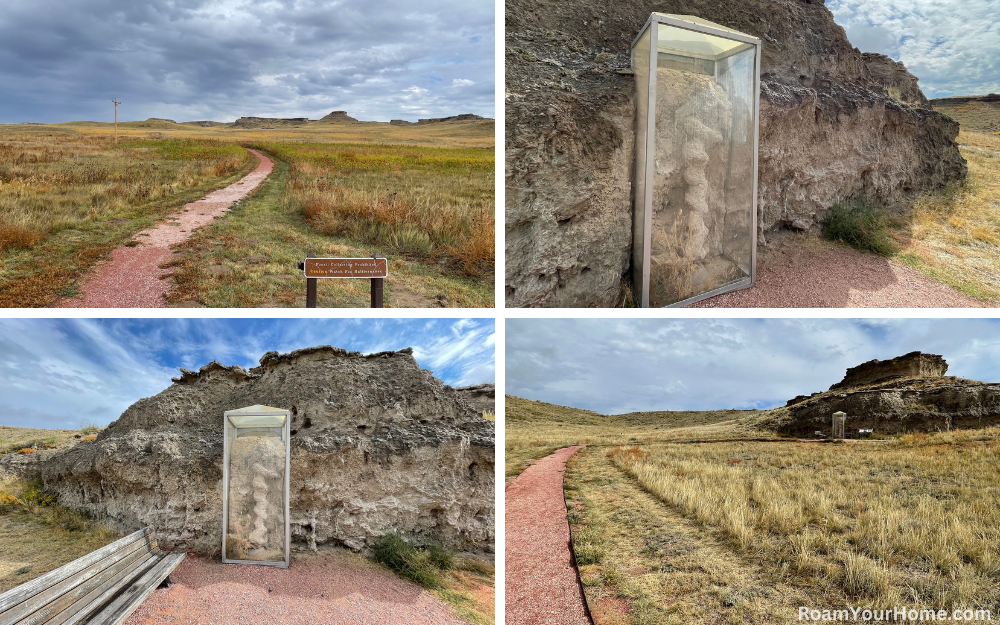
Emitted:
<point x="912" y="365"/>
<point x="829" y="130"/>
<point x="377" y="445"/>
<point x="338" y="116"/>
<point x="482" y="397"/>
<point x="904" y="394"/>
<point x="907" y="405"/>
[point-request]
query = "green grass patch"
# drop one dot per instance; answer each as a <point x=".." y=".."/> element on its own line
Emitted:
<point x="860" y="225"/>
<point x="249" y="258"/>
<point x="423" y="566"/>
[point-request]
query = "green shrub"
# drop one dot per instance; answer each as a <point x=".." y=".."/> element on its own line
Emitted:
<point x="859" y="225"/>
<point x="422" y="566"/>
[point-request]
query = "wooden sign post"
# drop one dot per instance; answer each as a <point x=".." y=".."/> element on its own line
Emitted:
<point x="115" y="100"/>
<point x="376" y="268"/>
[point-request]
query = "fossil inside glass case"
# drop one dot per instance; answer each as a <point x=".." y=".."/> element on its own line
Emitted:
<point x="695" y="217"/>
<point x="255" y="486"/>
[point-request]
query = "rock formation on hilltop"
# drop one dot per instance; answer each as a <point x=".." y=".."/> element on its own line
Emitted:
<point x="905" y="394"/>
<point x="261" y="123"/>
<point x="377" y="445"/>
<point x="338" y="116"/>
<point x="829" y="130"/>
<point x="912" y="365"/>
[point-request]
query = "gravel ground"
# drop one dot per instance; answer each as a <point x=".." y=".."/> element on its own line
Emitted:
<point x="132" y="277"/>
<point x="315" y="590"/>
<point x="804" y="271"/>
<point x="541" y="582"/>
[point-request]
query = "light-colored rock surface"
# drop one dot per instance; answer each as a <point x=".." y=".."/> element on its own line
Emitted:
<point x="828" y="131"/>
<point x="377" y="445"/>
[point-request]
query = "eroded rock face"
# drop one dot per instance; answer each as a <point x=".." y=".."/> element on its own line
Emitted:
<point x="909" y="405"/>
<point x="377" y="444"/>
<point x="829" y="130"/>
<point x="912" y="365"/>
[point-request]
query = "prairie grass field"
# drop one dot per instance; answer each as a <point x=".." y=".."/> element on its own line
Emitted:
<point x="67" y="198"/>
<point x="682" y="529"/>
<point x="420" y="195"/>
<point x="954" y="235"/>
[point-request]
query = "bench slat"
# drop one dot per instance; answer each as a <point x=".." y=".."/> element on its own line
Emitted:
<point x="66" y="605"/>
<point x="124" y="605"/>
<point x="21" y="593"/>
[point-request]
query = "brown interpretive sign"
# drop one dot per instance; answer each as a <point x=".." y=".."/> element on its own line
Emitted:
<point x="346" y="268"/>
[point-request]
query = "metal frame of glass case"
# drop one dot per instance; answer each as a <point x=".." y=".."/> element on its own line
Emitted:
<point x="686" y="57"/>
<point x="255" y="417"/>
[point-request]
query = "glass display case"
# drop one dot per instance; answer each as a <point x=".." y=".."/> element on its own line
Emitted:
<point x="695" y="191"/>
<point x="255" y="527"/>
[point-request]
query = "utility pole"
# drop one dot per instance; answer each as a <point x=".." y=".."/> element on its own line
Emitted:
<point x="115" y="100"/>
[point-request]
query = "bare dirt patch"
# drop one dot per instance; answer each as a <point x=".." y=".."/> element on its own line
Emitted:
<point x="330" y="587"/>
<point x="804" y="271"/>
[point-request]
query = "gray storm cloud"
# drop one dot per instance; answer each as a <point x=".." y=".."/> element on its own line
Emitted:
<point x="218" y="59"/>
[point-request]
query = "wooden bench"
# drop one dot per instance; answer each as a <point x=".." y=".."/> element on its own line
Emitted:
<point x="102" y="587"/>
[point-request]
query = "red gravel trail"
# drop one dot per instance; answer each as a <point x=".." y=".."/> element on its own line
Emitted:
<point x="797" y="271"/>
<point x="321" y="590"/>
<point x="132" y="277"/>
<point x="542" y="586"/>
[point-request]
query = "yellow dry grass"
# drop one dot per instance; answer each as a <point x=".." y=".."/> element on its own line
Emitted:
<point x="954" y="235"/>
<point x="674" y="527"/>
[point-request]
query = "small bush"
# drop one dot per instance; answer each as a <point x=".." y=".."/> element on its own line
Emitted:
<point x="420" y="566"/>
<point x="13" y="236"/>
<point x="859" y="225"/>
<point x="88" y="429"/>
<point x="26" y="450"/>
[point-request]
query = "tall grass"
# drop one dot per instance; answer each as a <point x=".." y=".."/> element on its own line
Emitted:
<point x="909" y="520"/>
<point x="432" y="203"/>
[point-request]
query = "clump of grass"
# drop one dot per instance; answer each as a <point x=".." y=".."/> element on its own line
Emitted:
<point x="13" y="236"/>
<point x="859" y="225"/>
<point x="89" y="429"/>
<point x="422" y="566"/>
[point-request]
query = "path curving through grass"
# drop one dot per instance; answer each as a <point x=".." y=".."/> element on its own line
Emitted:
<point x="133" y="277"/>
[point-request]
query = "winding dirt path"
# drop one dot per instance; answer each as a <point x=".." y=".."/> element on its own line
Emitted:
<point x="315" y="590"/>
<point x="132" y="277"/>
<point x="542" y="586"/>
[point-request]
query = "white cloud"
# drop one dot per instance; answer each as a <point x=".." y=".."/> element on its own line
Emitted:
<point x="953" y="47"/>
<point x="461" y="82"/>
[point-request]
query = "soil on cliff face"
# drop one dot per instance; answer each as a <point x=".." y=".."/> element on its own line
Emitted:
<point x="377" y="445"/>
<point x="829" y="130"/>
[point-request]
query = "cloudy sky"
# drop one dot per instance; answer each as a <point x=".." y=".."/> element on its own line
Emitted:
<point x="618" y="366"/>
<point x="186" y="60"/>
<point x="952" y="46"/>
<point x="66" y="373"/>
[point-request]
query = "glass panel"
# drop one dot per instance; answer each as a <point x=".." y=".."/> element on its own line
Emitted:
<point x="265" y="420"/>
<point x="703" y="179"/>
<point x="694" y="44"/>
<point x="256" y="505"/>
<point x="640" y="66"/>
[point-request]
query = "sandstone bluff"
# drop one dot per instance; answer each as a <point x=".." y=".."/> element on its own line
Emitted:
<point x="378" y="444"/>
<point x="910" y="393"/>
<point x="834" y="124"/>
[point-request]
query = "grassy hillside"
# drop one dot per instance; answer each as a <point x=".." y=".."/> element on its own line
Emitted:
<point x="27" y="440"/>
<point x="979" y="116"/>
<point x="535" y="429"/>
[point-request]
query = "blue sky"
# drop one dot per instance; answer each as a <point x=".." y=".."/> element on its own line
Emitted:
<point x="952" y="46"/>
<point x="66" y="373"/>
<point x="190" y="60"/>
<point x="615" y="366"/>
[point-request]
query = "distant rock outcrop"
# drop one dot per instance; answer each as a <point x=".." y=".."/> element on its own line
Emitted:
<point x="904" y="394"/>
<point x="378" y="445"/>
<point x="465" y="117"/>
<point x="270" y="122"/>
<point x="829" y="130"/>
<point x="338" y="116"/>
